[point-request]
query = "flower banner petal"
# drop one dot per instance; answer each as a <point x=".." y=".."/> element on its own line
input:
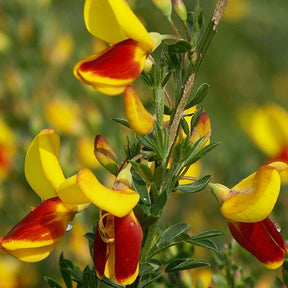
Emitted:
<point x="257" y="195"/>
<point x="36" y="235"/>
<point x="113" y="21"/>
<point x="262" y="240"/>
<point x="42" y="168"/>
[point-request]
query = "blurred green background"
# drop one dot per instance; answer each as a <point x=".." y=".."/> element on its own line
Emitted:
<point x="41" y="40"/>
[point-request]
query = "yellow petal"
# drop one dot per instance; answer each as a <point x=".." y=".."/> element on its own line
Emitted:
<point x="69" y="192"/>
<point x="113" y="21"/>
<point x="42" y="169"/>
<point x="84" y="187"/>
<point x="257" y="195"/>
<point x="139" y="119"/>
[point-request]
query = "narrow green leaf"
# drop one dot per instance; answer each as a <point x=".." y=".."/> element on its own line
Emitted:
<point x="185" y="127"/>
<point x="172" y="232"/>
<point x="285" y="272"/>
<point x="149" y="280"/>
<point x="141" y="187"/>
<point x="146" y="141"/>
<point x="122" y="121"/>
<point x="183" y="264"/>
<point x="90" y="236"/>
<point x="159" y="204"/>
<point x="89" y="278"/>
<point x="148" y="268"/>
<point x="65" y="264"/>
<point x="220" y="281"/>
<point x="195" y="157"/>
<point x="199" y="96"/>
<point x="195" y="186"/>
<point x="206" y="243"/>
<point x="143" y="170"/>
<point x="208" y="234"/>
<point x="146" y="78"/>
<point x="166" y="78"/>
<point x="149" y="220"/>
<point x="52" y="283"/>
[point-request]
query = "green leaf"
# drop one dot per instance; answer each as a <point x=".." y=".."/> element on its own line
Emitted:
<point x="146" y="78"/>
<point x="149" y="220"/>
<point x="90" y="236"/>
<point x="143" y="170"/>
<point x="195" y="186"/>
<point x="146" y="141"/>
<point x="166" y="78"/>
<point x="206" y="243"/>
<point x="90" y="279"/>
<point x="285" y="272"/>
<point x="180" y="46"/>
<point x="195" y="157"/>
<point x="149" y="280"/>
<point x="122" y="121"/>
<point x="185" y="127"/>
<point x="141" y="187"/>
<point x="148" y="268"/>
<point x="172" y="232"/>
<point x="159" y="204"/>
<point x="65" y="266"/>
<point x="220" y="281"/>
<point x="51" y="282"/>
<point x="183" y="264"/>
<point x="208" y="234"/>
<point x="199" y="96"/>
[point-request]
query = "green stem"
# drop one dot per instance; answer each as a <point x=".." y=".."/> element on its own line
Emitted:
<point x="158" y="96"/>
<point x="200" y="52"/>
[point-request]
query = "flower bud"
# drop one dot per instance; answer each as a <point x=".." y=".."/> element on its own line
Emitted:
<point x="180" y="9"/>
<point x="140" y="120"/>
<point x="105" y="154"/>
<point x="165" y="6"/>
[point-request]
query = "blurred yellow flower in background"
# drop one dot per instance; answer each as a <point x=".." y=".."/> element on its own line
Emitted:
<point x="267" y="128"/>
<point x="236" y="10"/>
<point x="64" y="116"/>
<point x="7" y="149"/>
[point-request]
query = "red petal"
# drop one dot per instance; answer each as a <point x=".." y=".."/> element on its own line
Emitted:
<point x="99" y="253"/>
<point x="34" y="237"/>
<point x="262" y="240"/>
<point x="118" y="62"/>
<point x="128" y="239"/>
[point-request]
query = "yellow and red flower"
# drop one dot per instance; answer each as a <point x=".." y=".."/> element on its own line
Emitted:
<point x="117" y="247"/>
<point x="111" y="70"/>
<point x="267" y="128"/>
<point x="247" y="206"/>
<point x="37" y="234"/>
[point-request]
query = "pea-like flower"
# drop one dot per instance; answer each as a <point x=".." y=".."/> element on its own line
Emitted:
<point x="117" y="247"/>
<point x="110" y="71"/>
<point x="267" y="128"/>
<point x="37" y="234"/>
<point x="246" y="208"/>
